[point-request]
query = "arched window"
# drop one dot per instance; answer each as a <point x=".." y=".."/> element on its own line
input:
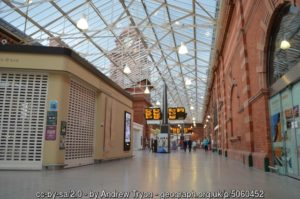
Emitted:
<point x="284" y="48"/>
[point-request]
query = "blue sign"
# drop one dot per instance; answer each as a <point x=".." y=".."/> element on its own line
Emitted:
<point x="53" y="105"/>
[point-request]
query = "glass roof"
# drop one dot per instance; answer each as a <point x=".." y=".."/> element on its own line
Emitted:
<point x="144" y="35"/>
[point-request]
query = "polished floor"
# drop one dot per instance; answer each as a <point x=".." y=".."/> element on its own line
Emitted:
<point x="154" y="175"/>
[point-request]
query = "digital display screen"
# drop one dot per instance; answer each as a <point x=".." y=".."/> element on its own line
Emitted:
<point x="172" y="113"/>
<point x="176" y="113"/>
<point x="152" y="113"/>
<point x="127" y="131"/>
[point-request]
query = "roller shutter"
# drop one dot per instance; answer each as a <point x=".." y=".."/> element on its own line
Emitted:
<point x="22" y="119"/>
<point x="80" y="131"/>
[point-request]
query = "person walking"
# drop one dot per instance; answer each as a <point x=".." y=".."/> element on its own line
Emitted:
<point x="205" y="143"/>
<point x="194" y="145"/>
<point x="184" y="145"/>
<point x="190" y="145"/>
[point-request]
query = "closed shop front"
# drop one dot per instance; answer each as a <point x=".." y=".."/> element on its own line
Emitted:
<point x="80" y="131"/>
<point x="22" y="118"/>
<point x="58" y="111"/>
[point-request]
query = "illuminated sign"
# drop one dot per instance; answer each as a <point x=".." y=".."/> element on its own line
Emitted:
<point x="127" y="131"/>
<point x="172" y="113"/>
<point x="176" y="113"/>
<point x="152" y="114"/>
<point x="177" y="130"/>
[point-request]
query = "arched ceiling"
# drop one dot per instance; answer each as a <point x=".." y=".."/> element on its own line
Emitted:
<point x="144" y="34"/>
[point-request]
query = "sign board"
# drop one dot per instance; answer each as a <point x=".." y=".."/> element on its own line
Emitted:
<point x="162" y="143"/>
<point x="53" y="105"/>
<point x="51" y="117"/>
<point x="176" y="113"/>
<point x="177" y="130"/>
<point x="127" y="131"/>
<point x="152" y="113"/>
<point x="63" y="128"/>
<point x="50" y="133"/>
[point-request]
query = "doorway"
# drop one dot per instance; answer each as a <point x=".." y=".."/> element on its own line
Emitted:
<point x="137" y="136"/>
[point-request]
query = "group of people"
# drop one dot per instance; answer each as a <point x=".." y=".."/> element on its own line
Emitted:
<point x="189" y="144"/>
<point x="185" y="144"/>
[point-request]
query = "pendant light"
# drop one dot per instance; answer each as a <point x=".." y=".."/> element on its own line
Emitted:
<point x="147" y="91"/>
<point x="188" y="82"/>
<point x="127" y="69"/>
<point x="285" y="44"/>
<point x="82" y="23"/>
<point x="183" y="49"/>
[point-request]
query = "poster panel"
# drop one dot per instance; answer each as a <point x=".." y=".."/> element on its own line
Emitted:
<point x="127" y="131"/>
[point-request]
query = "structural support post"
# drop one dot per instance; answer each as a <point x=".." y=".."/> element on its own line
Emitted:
<point x="165" y="124"/>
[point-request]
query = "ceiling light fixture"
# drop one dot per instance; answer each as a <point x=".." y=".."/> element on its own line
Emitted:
<point x="147" y="91"/>
<point x="183" y="49"/>
<point x="157" y="103"/>
<point x="82" y="23"/>
<point x="188" y="82"/>
<point x="192" y="108"/>
<point x="127" y="69"/>
<point x="285" y="44"/>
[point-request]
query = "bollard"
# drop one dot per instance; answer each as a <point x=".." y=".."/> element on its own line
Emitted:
<point x="267" y="164"/>
<point x="250" y="161"/>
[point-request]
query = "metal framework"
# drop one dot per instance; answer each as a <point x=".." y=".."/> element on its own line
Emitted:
<point x="154" y="30"/>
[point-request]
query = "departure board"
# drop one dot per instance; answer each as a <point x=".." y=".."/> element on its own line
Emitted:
<point x="152" y="113"/>
<point x="176" y="113"/>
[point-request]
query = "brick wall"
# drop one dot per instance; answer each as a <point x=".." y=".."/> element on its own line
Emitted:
<point x="239" y="85"/>
<point x="140" y="102"/>
<point x="8" y="37"/>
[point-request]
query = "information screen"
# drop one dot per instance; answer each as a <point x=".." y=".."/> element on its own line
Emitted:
<point x="176" y="113"/>
<point x="152" y="113"/>
<point x="127" y="131"/>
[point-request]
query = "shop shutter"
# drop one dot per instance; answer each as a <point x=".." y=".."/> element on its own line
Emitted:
<point x="80" y="131"/>
<point x="22" y="119"/>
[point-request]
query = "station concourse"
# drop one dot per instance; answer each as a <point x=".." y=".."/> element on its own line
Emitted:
<point x="149" y="99"/>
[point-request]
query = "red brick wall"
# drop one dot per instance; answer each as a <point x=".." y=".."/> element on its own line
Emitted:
<point x="140" y="102"/>
<point x="8" y="37"/>
<point x="239" y="82"/>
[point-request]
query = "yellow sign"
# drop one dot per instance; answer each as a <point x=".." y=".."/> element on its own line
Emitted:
<point x="177" y="130"/>
<point x="152" y="114"/>
<point x="176" y="113"/>
<point x="156" y="114"/>
<point x="172" y="113"/>
<point x="148" y="114"/>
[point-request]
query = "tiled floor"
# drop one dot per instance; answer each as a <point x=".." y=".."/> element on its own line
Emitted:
<point x="157" y="174"/>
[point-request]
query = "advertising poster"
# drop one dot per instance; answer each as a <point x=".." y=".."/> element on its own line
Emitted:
<point x="276" y="128"/>
<point x="162" y="143"/>
<point x="51" y="117"/>
<point x="50" y="133"/>
<point x="53" y="105"/>
<point x="127" y="131"/>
